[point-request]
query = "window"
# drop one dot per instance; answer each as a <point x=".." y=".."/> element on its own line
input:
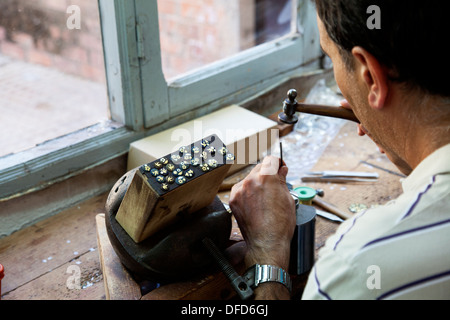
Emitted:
<point x="196" y="33"/>
<point x="44" y="66"/>
<point x="142" y="100"/>
<point x="217" y="84"/>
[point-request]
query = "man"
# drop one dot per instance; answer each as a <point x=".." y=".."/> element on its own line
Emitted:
<point x="395" y="80"/>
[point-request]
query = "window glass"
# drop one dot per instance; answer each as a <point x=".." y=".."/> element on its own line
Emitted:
<point x="195" y="33"/>
<point x="52" y="74"/>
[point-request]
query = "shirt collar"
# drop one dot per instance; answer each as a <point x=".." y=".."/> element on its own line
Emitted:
<point x="436" y="163"/>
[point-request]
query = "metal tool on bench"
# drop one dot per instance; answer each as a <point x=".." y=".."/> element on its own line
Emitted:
<point x="303" y="241"/>
<point x="189" y="246"/>
<point x="301" y="256"/>
<point x="291" y="106"/>
<point x="339" y="215"/>
<point x="340" y="176"/>
<point x="327" y="215"/>
<point x="175" y="248"/>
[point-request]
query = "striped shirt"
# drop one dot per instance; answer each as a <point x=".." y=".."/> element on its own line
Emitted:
<point x="397" y="251"/>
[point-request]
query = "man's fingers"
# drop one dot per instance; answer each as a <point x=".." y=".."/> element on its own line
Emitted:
<point x="235" y="189"/>
<point x="283" y="172"/>
<point x="345" y="104"/>
<point x="270" y="166"/>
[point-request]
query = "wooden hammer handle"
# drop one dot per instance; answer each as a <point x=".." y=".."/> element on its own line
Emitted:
<point x="327" y="111"/>
<point x="331" y="208"/>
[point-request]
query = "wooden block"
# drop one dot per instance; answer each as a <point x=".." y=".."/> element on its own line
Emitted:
<point x="119" y="285"/>
<point x="246" y="134"/>
<point x="178" y="184"/>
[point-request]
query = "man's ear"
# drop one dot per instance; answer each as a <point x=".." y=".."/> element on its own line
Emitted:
<point x="374" y="76"/>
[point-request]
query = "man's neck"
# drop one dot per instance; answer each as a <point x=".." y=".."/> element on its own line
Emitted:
<point x="426" y="132"/>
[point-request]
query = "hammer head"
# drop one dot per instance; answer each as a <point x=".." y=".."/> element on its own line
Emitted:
<point x="289" y="108"/>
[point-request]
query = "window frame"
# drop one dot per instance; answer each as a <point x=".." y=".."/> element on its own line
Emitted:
<point x="142" y="102"/>
<point x="222" y="82"/>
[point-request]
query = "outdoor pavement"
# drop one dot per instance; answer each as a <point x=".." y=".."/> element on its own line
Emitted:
<point x="38" y="104"/>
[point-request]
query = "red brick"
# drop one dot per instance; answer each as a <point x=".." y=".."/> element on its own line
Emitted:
<point x="24" y="40"/>
<point x="92" y="42"/>
<point x="189" y="9"/>
<point x="55" y="31"/>
<point x="66" y="66"/>
<point x="167" y="7"/>
<point x="12" y="50"/>
<point x="40" y="57"/>
<point x="76" y="54"/>
<point x="170" y="46"/>
<point x="97" y="59"/>
<point x="59" y="6"/>
<point x="2" y="33"/>
<point x="92" y="73"/>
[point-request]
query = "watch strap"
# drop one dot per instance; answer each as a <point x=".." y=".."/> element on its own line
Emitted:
<point x="267" y="273"/>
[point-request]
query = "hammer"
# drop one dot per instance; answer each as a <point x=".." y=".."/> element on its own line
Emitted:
<point x="291" y="106"/>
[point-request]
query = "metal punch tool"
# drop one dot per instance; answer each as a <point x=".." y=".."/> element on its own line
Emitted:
<point x="340" y="176"/>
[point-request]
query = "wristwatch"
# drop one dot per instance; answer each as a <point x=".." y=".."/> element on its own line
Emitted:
<point x="267" y="273"/>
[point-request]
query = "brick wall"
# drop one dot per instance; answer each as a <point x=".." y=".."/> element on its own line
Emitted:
<point x="197" y="32"/>
<point x="36" y="31"/>
<point x="193" y="34"/>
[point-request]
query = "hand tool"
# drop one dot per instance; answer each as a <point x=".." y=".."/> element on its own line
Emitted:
<point x="162" y="223"/>
<point x="305" y="194"/>
<point x="303" y="241"/>
<point x="331" y="208"/>
<point x="340" y="176"/>
<point x="281" y="154"/>
<point x="320" y="193"/>
<point x="238" y="283"/>
<point x="329" y="216"/>
<point x="384" y="169"/>
<point x="348" y="174"/>
<point x="336" y="180"/>
<point x="291" y="106"/>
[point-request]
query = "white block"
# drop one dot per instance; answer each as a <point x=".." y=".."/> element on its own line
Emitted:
<point x="247" y="135"/>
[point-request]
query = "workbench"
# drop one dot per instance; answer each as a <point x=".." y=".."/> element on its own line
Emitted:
<point x="347" y="152"/>
<point x="40" y="260"/>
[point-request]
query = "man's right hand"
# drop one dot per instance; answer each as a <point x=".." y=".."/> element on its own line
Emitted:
<point x="265" y="212"/>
